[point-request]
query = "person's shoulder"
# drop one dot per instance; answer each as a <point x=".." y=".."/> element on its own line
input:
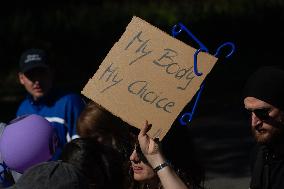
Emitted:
<point x="71" y="96"/>
<point x="24" y="100"/>
<point x="24" y="104"/>
<point x="67" y="97"/>
<point x="60" y="93"/>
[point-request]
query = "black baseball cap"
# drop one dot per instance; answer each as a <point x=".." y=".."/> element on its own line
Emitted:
<point x="53" y="174"/>
<point x="33" y="58"/>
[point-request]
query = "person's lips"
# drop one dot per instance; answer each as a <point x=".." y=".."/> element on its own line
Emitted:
<point x="137" y="169"/>
<point x="37" y="88"/>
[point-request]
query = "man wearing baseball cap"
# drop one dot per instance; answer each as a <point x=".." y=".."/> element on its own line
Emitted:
<point x="35" y="74"/>
<point x="264" y="100"/>
<point x="58" y="107"/>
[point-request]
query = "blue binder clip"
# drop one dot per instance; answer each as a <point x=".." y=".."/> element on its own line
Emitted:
<point x="176" y="30"/>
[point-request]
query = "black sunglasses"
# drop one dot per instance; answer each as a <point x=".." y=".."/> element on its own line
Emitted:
<point x="262" y="114"/>
<point x="140" y="153"/>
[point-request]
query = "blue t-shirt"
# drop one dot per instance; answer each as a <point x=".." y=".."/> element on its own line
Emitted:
<point x="59" y="108"/>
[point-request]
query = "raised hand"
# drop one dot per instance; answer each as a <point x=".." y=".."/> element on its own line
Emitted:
<point x="150" y="147"/>
<point x="151" y="150"/>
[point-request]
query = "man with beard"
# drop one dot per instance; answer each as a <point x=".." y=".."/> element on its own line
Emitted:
<point x="264" y="99"/>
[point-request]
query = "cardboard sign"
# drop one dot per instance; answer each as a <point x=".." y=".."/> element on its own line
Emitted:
<point x="147" y="75"/>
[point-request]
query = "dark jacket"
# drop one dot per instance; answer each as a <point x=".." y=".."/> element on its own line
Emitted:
<point x="267" y="169"/>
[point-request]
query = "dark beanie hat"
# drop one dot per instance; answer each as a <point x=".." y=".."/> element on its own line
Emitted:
<point x="267" y="84"/>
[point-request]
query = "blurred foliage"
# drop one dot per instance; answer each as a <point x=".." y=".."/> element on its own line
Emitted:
<point x="78" y="34"/>
<point x="84" y="26"/>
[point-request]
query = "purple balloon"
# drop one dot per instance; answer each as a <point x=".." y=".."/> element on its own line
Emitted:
<point x="26" y="142"/>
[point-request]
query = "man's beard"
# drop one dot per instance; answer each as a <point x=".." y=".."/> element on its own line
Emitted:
<point x="269" y="137"/>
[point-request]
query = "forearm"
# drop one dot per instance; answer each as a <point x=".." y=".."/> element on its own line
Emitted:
<point x="151" y="150"/>
<point x="168" y="177"/>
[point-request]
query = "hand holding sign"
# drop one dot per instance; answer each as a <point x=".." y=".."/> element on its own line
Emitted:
<point x="150" y="146"/>
<point x="147" y="75"/>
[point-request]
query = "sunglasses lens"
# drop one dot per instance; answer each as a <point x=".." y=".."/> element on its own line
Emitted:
<point x="262" y="114"/>
<point x="140" y="154"/>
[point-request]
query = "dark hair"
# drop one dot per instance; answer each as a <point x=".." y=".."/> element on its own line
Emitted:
<point x="52" y="174"/>
<point x="96" y="122"/>
<point x="101" y="164"/>
<point x="184" y="159"/>
<point x="179" y="150"/>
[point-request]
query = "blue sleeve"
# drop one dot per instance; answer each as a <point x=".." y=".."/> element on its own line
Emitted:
<point x="75" y="106"/>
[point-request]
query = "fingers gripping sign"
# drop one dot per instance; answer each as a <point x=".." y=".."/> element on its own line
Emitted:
<point x="148" y="145"/>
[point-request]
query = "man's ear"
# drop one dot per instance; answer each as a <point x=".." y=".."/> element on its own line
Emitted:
<point x="21" y="77"/>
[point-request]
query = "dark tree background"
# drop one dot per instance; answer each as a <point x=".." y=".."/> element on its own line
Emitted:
<point x="78" y="34"/>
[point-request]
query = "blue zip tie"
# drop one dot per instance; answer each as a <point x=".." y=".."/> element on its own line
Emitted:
<point x="202" y="48"/>
<point x="190" y="114"/>
<point x="223" y="45"/>
<point x="183" y="28"/>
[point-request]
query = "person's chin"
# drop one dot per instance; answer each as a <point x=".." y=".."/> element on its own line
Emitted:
<point x="38" y="95"/>
<point x="139" y="177"/>
<point x="262" y="138"/>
